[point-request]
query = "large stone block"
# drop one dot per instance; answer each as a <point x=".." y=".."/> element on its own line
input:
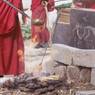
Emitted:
<point x="73" y="74"/>
<point x="93" y="76"/>
<point x="61" y="71"/>
<point x="62" y="54"/>
<point x="70" y="55"/>
<point x="92" y="92"/>
<point x="85" y="75"/>
<point x="48" y="65"/>
<point x="83" y="57"/>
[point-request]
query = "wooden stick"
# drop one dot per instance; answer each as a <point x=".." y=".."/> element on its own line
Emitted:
<point x="11" y="5"/>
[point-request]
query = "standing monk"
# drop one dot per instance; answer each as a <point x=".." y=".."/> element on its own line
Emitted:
<point x="84" y="4"/>
<point x="11" y="41"/>
<point x="40" y="33"/>
<point x="89" y="4"/>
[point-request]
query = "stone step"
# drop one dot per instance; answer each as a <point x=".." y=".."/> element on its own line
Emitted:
<point x="92" y="92"/>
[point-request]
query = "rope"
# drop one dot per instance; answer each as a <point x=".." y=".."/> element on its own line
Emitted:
<point x="47" y="25"/>
<point x="52" y="34"/>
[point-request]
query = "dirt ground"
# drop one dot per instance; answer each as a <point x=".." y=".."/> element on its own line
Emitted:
<point x="27" y="85"/>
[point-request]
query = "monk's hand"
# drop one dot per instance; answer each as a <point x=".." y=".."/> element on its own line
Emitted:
<point x="24" y="19"/>
<point x="25" y="9"/>
<point x="21" y="55"/>
<point x="44" y="3"/>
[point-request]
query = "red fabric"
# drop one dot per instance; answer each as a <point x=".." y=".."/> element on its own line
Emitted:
<point x="38" y="12"/>
<point x="10" y="41"/>
<point x="7" y="14"/>
<point x="78" y="5"/>
<point x="92" y="6"/>
<point x="86" y="4"/>
<point x="51" y="5"/>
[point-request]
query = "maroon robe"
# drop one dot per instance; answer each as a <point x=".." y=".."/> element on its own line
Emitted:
<point x="85" y="4"/>
<point x="11" y="40"/>
<point x="40" y="34"/>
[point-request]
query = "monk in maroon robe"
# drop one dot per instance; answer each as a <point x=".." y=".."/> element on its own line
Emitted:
<point x="40" y="33"/>
<point x="11" y="41"/>
<point x="85" y="4"/>
<point x="89" y="4"/>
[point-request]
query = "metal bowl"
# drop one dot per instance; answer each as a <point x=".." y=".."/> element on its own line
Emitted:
<point x="37" y="22"/>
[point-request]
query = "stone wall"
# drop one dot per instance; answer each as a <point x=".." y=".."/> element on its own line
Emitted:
<point x="75" y="55"/>
<point x="67" y="70"/>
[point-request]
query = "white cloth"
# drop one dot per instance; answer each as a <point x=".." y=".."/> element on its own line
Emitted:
<point x="52" y="16"/>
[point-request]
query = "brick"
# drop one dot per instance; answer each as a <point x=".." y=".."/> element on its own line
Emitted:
<point x="61" y="71"/>
<point x="48" y="65"/>
<point x="73" y="74"/>
<point x="85" y="75"/>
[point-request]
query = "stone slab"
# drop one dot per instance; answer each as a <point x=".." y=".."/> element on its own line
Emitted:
<point x="91" y="92"/>
<point x="70" y="55"/>
<point x="61" y="71"/>
<point x="61" y="54"/>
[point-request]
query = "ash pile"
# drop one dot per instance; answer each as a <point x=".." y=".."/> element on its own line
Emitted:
<point x="46" y="85"/>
